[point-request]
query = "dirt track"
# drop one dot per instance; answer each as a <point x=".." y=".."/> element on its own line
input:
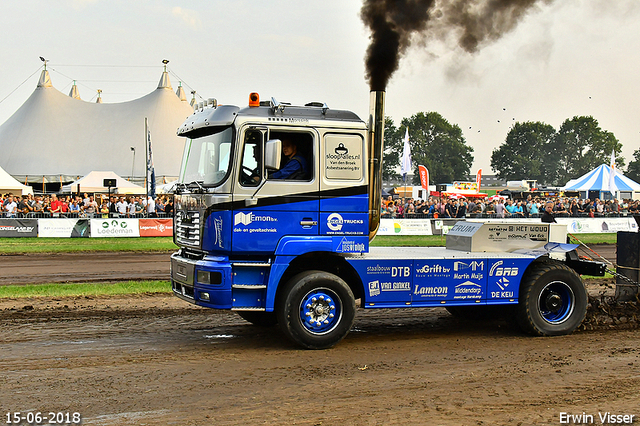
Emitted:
<point x="156" y="360"/>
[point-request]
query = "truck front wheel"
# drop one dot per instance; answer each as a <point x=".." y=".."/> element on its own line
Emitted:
<point x="553" y="300"/>
<point x="316" y="309"/>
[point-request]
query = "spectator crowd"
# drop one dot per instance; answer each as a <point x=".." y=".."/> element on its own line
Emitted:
<point x="89" y="206"/>
<point x="497" y="207"/>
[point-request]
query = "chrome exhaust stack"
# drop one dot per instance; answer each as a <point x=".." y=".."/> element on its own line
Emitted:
<point x="376" y="147"/>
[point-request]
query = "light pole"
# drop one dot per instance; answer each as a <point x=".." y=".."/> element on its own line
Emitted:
<point x="133" y="148"/>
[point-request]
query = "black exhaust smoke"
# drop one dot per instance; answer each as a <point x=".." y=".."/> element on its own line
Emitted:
<point x="395" y="24"/>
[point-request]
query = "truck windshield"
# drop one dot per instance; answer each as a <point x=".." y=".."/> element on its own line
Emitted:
<point x="207" y="159"/>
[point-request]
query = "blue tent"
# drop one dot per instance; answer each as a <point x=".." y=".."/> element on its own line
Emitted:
<point x="599" y="180"/>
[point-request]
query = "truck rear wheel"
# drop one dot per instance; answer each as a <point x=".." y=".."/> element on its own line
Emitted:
<point x="316" y="309"/>
<point x="553" y="300"/>
<point x="259" y="318"/>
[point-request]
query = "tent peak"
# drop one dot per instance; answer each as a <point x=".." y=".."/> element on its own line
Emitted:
<point x="164" y="81"/>
<point x="45" y="79"/>
<point x="74" y="91"/>
<point x="181" y="94"/>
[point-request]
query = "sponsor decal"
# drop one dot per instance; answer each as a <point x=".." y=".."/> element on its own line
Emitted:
<point x="467" y="290"/>
<point x="473" y="265"/>
<point x="425" y="291"/>
<point x="374" y="288"/>
<point x="349" y="246"/>
<point x="155" y="227"/>
<point x="217" y="224"/>
<point x="434" y="269"/>
<point x="19" y="229"/>
<point x="343" y="158"/>
<point x="248" y="218"/>
<point x="498" y="271"/>
<point x="378" y="269"/>
<point x="115" y="228"/>
<point x="335" y="221"/>
<point x="468" y="287"/>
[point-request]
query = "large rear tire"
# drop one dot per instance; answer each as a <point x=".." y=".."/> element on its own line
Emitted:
<point x="553" y="300"/>
<point x="316" y="309"/>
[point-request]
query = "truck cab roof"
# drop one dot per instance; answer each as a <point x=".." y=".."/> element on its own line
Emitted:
<point x="209" y="115"/>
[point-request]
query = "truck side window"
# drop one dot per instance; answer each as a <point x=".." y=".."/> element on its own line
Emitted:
<point x="251" y="170"/>
<point x="297" y="156"/>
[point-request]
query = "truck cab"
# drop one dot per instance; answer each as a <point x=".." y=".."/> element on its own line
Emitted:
<point x="238" y="226"/>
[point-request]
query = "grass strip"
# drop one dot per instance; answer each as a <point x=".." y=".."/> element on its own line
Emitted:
<point x="72" y="245"/>
<point x="164" y="244"/>
<point x="84" y="289"/>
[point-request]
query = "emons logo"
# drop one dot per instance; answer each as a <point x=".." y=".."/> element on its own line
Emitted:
<point x="247" y="218"/>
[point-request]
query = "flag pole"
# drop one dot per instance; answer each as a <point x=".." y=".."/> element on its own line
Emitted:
<point x="146" y="156"/>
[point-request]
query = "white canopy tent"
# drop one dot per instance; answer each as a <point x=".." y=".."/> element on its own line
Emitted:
<point x="9" y="184"/>
<point x="601" y="180"/>
<point x="94" y="182"/>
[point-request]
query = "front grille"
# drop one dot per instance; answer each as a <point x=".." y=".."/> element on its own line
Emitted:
<point x="188" y="228"/>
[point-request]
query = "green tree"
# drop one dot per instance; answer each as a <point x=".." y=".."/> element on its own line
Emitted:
<point x="438" y="145"/>
<point x="526" y="153"/>
<point x="581" y="145"/>
<point x="633" y="171"/>
<point x="392" y="151"/>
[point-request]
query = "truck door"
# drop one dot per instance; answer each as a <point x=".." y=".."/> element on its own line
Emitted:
<point x="271" y="204"/>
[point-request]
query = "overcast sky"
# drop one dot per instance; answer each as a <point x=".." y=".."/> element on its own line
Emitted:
<point x="567" y="58"/>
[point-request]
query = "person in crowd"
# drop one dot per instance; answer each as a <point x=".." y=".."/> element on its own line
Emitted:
<point x="508" y="207"/>
<point x="391" y="208"/>
<point x="131" y="207"/>
<point x="410" y="210"/>
<point x="462" y="209"/>
<point x="533" y="208"/>
<point x="74" y="208"/>
<point x="548" y="215"/>
<point x="38" y="206"/>
<point x="90" y="207"/>
<point x="499" y="208"/>
<point x="168" y="208"/>
<point x="471" y="207"/>
<point x="24" y="209"/>
<point x="55" y="206"/>
<point x="139" y="207"/>
<point x="160" y="206"/>
<point x="151" y="207"/>
<point x="11" y="207"/>
<point x="518" y="210"/>
<point x="122" y="206"/>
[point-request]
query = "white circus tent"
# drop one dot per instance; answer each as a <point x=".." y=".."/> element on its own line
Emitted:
<point x="53" y="137"/>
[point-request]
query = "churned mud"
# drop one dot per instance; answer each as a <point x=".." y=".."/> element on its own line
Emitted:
<point x="156" y="360"/>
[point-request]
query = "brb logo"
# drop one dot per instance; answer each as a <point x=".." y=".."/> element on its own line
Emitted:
<point x="498" y="271"/>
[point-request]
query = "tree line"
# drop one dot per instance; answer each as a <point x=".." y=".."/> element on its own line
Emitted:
<point x="531" y="150"/>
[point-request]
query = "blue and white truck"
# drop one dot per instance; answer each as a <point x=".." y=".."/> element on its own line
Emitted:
<point x="296" y="251"/>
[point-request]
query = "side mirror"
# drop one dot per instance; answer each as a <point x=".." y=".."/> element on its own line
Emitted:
<point x="272" y="154"/>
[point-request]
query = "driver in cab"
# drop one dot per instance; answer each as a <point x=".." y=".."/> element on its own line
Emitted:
<point x="295" y="166"/>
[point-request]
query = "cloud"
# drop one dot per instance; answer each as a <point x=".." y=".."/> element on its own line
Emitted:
<point x="187" y="16"/>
